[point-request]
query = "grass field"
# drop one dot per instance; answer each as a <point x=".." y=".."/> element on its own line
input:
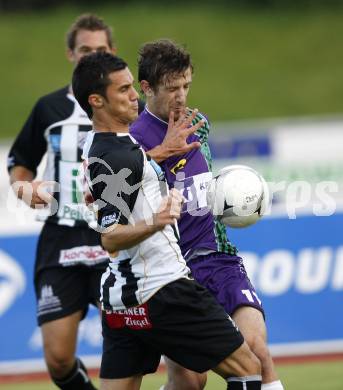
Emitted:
<point x="248" y="63"/>
<point x="309" y="376"/>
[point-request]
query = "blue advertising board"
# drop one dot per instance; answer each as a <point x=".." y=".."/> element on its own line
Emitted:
<point x="20" y="336"/>
<point x="296" y="266"/>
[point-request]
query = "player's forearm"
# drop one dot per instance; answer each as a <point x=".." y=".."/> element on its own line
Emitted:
<point x="126" y="236"/>
<point x="159" y="153"/>
<point x="20" y="173"/>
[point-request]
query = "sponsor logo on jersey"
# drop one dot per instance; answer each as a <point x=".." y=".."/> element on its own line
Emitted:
<point x="108" y="220"/>
<point x="88" y="255"/>
<point x="133" y="318"/>
<point x="194" y="190"/>
<point x="48" y="302"/>
<point x="77" y="212"/>
<point x="179" y="165"/>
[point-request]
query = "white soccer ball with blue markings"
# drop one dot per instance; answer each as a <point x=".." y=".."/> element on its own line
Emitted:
<point x="238" y="196"/>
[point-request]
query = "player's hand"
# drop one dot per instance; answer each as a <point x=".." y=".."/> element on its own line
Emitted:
<point x="169" y="210"/>
<point x="36" y="194"/>
<point x="175" y="140"/>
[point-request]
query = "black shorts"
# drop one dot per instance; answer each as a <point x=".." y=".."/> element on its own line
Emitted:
<point x="181" y="321"/>
<point x="65" y="287"/>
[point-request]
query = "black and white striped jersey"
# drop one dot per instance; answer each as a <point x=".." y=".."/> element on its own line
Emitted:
<point x="57" y="126"/>
<point x="128" y="187"/>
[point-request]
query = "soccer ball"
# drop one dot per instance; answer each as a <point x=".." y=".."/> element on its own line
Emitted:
<point x="238" y="196"/>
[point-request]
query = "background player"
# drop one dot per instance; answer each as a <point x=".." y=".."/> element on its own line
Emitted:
<point x="64" y="287"/>
<point x="149" y="304"/>
<point x="165" y="75"/>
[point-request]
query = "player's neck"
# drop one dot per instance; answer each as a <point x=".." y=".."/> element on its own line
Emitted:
<point x="155" y="114"/>
<point x="110" y="125"/>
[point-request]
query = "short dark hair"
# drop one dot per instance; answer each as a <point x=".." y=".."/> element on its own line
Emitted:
<point x="160" y="59"/>
<point x="88" y="22"/>
<point x="91" y="76"/>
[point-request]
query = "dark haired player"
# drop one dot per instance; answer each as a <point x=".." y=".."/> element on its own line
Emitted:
<point x="165" y="76"/>
<point x="69" y="260"/>
<point x="150" y="306"/>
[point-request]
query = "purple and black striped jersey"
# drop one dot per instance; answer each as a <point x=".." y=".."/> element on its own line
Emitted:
<point x="200" y="231"/>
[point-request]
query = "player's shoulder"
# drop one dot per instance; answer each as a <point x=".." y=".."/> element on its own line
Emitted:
<point x="148" y="130"/>
<point x="54" y="96"/>
<point x="138" y="129"/>
<point x="203" y="131"/>
<point x="137" y="124"/>
<point x="113" y="147"/>
<point x="56" y="100"/>
<point x="201" y="117"/>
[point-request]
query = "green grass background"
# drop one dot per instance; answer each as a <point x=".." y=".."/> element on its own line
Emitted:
<point x="309" y="376"/>
<point x="248" y="63"/>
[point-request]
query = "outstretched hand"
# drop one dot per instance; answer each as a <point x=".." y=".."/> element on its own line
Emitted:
<point x="175" y="140"/>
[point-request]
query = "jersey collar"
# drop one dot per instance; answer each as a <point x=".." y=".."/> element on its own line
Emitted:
<point x="153" y="115"/>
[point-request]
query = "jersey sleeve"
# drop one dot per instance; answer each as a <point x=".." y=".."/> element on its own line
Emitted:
<point x="30" y="144"/>
<point x="139" y="138"/>
<point x="203" y="134"/>
<point x="203" y="131"/>
<point x="115" y="185"/>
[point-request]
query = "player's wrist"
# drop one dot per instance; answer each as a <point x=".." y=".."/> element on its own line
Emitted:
<point x="168" y="151"/>
<point x="155" y="224"/>
<point x="160" y="153"/>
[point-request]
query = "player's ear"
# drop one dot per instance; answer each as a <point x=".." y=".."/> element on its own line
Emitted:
<point x="114" y="51"/>
<point x="96" y="101"/>
<point x="145" y="87"/>
<point x="70" y="55"/>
